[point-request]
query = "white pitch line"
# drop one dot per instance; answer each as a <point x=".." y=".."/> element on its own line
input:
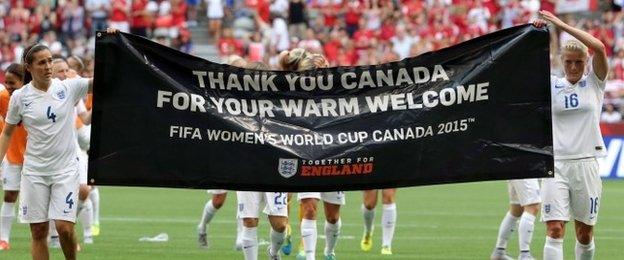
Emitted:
<point x="467" y="226"/>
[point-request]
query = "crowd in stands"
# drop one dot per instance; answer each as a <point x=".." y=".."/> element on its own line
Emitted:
<point x="347" y="32"/>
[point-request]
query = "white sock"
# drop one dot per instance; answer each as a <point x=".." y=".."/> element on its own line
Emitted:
<point x="369" y="217"/>
<point x="525" y="231"/>
<point x="52" y="229"/>
<point x="94" y="196"/>
<point x="277" y="239"/>
<point x="208" y="213"/>
<point x="585" y="252"/>
<point x="239" y="233"/>
<point x="308" y="234"/>
<point x="388" y="222"/>
<point x="7" y="214"/>
<point x="250" y="243"/>
<point x="86" y="216"/>
<point x="553" y="249"/>
<point x="507" y="226"/>
<point x="332" y="231"/>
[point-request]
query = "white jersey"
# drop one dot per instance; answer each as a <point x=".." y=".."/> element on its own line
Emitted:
<point x="49" y="118"/>
<point x="576" y="116"/>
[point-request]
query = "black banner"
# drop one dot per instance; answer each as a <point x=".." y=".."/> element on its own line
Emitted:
<point x="479" y="110"/>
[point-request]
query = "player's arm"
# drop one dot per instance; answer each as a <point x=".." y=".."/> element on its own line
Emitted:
<point x="599" y="61"/>
<point x="85" y="117"/>
<point x="5" y="138"/>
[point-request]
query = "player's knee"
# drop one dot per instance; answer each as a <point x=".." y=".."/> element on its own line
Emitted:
<point x="218" y="201"/>
<point x="555" y="229"/>
<point x="65" y="230"/>
<point x="333" y="219"/>
<point x="533" y="208"/>
<point x="370" y="205"/>
<point x="584" y="235"/>
<point x="279" y="226"/>
<point x="10" y="196"/>
<point x="39" y="231"/>
<point x="83" y="192"/>
<point x="309" y="209"/>
<point x="250" y="222"/>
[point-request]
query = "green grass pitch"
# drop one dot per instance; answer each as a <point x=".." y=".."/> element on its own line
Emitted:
<point x="457" y="221"/>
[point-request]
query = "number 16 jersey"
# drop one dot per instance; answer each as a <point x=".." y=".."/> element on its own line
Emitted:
<point x="576" y="112"/>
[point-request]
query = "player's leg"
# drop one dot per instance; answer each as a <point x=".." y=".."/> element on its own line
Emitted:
<point x="508" y="224"/>
<point x="94" y="196"/>
<point x="35" y="198"/>
<point x="529" y="196"/>
<point x="309" y="233"/>
<point x="368" y="213"/>
<point x="63" y="209"/>
<point x="248" y="208"/>
<point x="555" y="210"/>
<point x="301" y="254"/>
<point x="10" y="185"/>
<point x="585" y="204"/>
<point x="388" y="219"/>
<point x="332" y="202"/>
<point x="210" y="209"/>
<point x="287" y="247"/>
<point x="85" y="213"/>
<point x="276" y="209"/>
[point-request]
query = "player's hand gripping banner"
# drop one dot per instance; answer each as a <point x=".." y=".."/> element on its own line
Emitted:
<point x="479" y="110"/>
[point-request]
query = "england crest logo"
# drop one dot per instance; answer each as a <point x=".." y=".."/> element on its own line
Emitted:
<point x="61" y="94"/>
<point x="287" y="167"/>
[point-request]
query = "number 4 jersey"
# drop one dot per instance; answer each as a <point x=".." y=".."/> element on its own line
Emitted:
<point x="576" y="112"/>
<point x="49" y="120"/>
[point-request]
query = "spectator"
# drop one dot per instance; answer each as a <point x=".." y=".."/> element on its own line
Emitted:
<point x="120" y="15"/>
<point x="610" y="115"/>
<point x="99" y="10"/>
<point x="141" y="18"/>
<point x="296" y="18"/>
<point x="73" y="20"/>
<point x="215" y="13"/>
<point x="279" y="34"/>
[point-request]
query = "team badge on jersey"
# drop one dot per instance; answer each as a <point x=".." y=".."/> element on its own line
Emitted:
<point x="287" y="167"/>
<point x="582" y="83"/>
<point x="60" y="94"/>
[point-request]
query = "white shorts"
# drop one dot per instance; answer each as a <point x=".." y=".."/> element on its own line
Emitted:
<point x="523" y="192"/>
<point x="333" y="197"/>
<point x="575" y="192"/>
<point x="11" y="175"/>
<point x="49" y="197"/>
<point x="216" y="192"/>
<point x="83" y="165"/>
<point x="275" y="203"/>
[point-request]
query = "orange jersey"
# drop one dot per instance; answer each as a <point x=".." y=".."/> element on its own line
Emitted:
<point x="17" y="145"/>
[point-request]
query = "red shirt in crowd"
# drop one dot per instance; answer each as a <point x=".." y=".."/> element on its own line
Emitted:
<point x="332" y="48"/>
<point x="178" y="13"/>
<point x="119" y="11"/>
<point x="139" y="20"/>
<point x="226" y="44"/>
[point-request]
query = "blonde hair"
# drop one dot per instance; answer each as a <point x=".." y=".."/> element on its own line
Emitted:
<point x="313" y="61"/>
<point x="289" y="60"/>
<point x="575" y="46"/>
<point x="236" y="61"/>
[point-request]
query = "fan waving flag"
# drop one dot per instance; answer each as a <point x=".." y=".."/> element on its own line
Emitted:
<point x="479" y="110"/>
